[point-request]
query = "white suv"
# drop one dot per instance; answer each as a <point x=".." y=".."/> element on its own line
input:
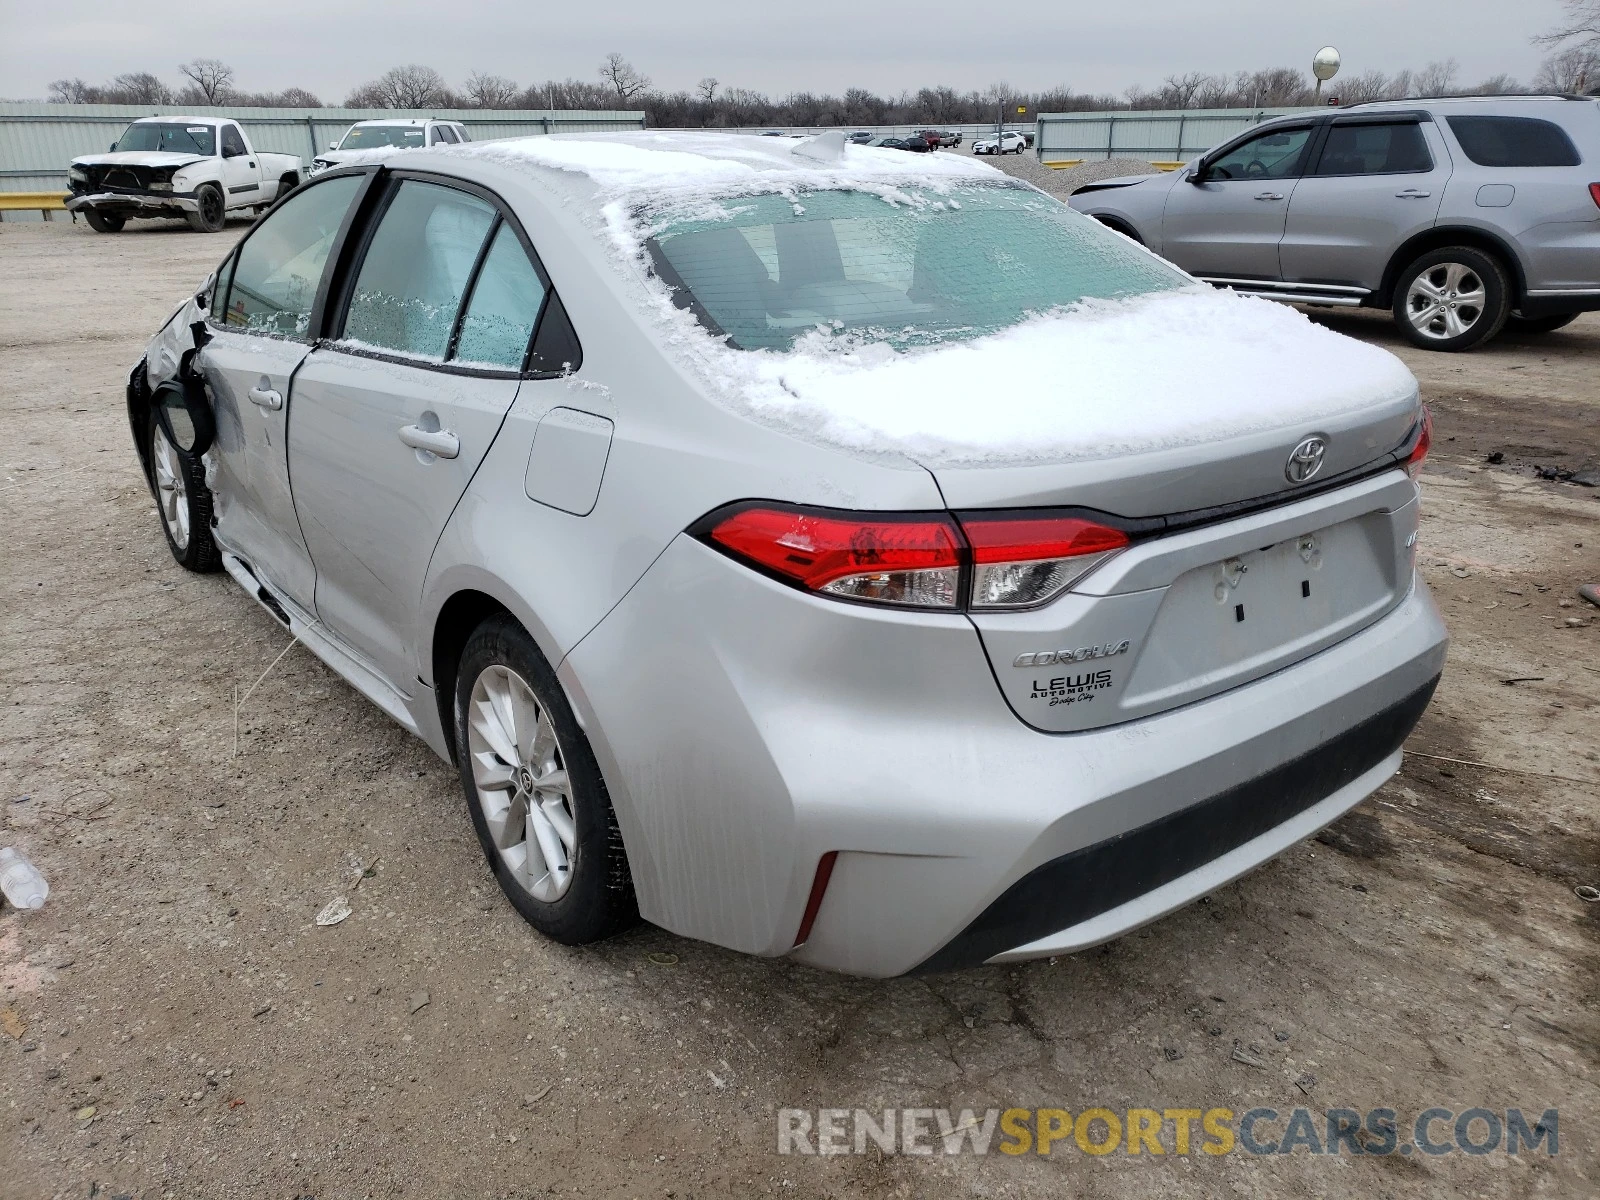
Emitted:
<point x="399" y="133"/>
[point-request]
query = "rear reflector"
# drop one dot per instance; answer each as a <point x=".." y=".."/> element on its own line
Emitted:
<point x="819" y="888"/>
<point x="1024" y="561"/>
<point x="1419" y="452"/>
<point x="912" y="560"/>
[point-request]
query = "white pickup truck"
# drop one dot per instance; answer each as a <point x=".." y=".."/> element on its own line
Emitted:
<point x="200" y="168"/>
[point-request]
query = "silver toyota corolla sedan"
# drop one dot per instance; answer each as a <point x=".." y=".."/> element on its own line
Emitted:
<point x="812" y="549"/>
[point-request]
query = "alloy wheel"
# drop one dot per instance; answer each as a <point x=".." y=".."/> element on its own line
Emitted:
<point x="522" y="782"/>
<point x="172" y="488"/>
<point x="1445" y="301"/>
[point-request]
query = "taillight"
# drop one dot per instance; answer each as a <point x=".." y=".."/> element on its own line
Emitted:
<point x="1023" y="561"/>
<point x="1419" y="452"/>
<point x="918" y="560"/>
<point x="1594" y="192"/>
<point x="911" y="559"/>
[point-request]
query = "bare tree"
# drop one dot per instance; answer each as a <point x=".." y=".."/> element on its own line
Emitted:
<point x="410" y="86"/>
<point x="620" y="74"/>
<point x="1567" y="71"/>
<point x="490" y="91"/>
<point x="1178" y="91"/>
<point x="1438" y="78"/>
<point x="707" y="88"/>
<point x="212" y="78"/>
<point x="71" y="91"/>
<point x="1582" y="26"/>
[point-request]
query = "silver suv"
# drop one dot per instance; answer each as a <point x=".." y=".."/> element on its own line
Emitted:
<point x="1462" y="215"/>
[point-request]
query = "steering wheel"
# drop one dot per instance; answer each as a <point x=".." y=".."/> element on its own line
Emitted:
<point x="1255" y="169"/>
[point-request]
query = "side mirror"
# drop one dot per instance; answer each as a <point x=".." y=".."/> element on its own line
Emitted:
<point x="333" y="145"/>
<point x="113" y="147"/>
<point x="1201" y="172"/>
<point x="230" y="152"/>
<point x="185" y="416"/>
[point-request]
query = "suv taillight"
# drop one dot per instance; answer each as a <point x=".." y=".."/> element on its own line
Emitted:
<point x="917" y="560"/>
<point x="1594" y="193"/>
<point x="1419" y="452"/>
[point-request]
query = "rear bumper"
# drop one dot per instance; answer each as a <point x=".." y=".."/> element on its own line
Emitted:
<point x="133" y="204"/>
<point x="746" y="730"/>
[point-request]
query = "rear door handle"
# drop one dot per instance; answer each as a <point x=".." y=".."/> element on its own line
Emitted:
<point x="438" y="442"/>
<point x="266" y="397"/>
<point x="1412" y="194"/>
<point x="1269" y="196"/>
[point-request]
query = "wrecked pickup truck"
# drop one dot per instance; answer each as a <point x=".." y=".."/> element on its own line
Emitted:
<point x="199" y="168"/>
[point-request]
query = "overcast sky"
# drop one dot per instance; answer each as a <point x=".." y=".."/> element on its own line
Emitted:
<point x="821" y="45"/>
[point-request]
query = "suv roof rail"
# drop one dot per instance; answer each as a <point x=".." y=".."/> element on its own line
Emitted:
<point x="1478" y="96"/>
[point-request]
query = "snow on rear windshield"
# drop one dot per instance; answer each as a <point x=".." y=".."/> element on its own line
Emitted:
<point x="906" y="267"/>
<point x="175" y="136"/>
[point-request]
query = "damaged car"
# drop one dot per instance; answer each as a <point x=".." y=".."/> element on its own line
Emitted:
<point x="197" y="168"/>
<point x="718" y="507"/>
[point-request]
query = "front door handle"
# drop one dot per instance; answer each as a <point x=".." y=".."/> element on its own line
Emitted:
<point x="1412" y="194"/>
<point x="1269" y="196"/>
<point x="266" y="397"/>
<point x="439" y="442"/>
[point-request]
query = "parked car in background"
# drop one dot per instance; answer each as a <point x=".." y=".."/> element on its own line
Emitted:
<point x="861" y="137"/>
<point x="880" y="669"/>
<point x="1461" y="216"/>
<point x="1006" y="143"/>
<point x="918" y="142"/>
<point x="198" y="168"/>
<point x="401" y="133"/>
<point x="941" y="137"/>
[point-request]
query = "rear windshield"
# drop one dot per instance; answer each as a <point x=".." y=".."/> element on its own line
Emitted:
<point x="175" y="136"/>
<point x="911" y="269"/>
<point x="1514" y="142"/>
<point x="373" y="137"/>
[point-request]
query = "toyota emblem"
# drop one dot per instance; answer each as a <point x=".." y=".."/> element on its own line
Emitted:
<point x="1305" y="460"/>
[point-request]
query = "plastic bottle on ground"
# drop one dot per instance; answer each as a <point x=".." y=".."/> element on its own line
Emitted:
<point x="20" y="880"/>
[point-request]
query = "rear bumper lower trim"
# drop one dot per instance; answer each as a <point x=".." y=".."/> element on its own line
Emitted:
<point x="1085" y="883"/>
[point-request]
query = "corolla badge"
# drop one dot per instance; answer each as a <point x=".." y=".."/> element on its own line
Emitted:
<point x="1305" y="460"/>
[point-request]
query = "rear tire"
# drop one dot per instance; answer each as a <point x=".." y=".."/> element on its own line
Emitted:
<point x="183" y="502"/>
<point x="1451" y="299"/>
<point x="103" y="222"/>
<point x="545" y="820"/>
<point x="1516" y="324"/>
<point x="210" y="212"/>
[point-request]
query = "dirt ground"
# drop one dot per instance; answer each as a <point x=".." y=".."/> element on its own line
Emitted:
<point x="179" y="1026"/>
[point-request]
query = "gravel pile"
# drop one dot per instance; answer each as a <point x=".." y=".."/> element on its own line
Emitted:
<point x="1064" y="183"/>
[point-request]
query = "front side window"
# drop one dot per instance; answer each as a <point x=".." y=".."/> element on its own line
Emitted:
<point x="232" y="142"/>
<point x="437" y="135"/>
<point x="504" y="307"/>
<point x="280" y="265"/>
<point x="914" y="269"/>
<point x="1272" y="155"/>
<point x="1514" y="142"/>
<point x="177" y="137"/>
<point x="375" y="137"/>
<point x="1374" y="150"/>
<point x="416" y="270"/>
<point x="219" y="293"/>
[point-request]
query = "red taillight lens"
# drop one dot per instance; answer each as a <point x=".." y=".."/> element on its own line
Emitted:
<point x="911" y="560"/>
<point x="1419" y="452"/>
<point x="1594" y="192"/>
<point x="1023" y="561"/>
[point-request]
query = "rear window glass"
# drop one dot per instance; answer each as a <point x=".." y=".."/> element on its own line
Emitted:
<point x="1357" y="149"/>
<point x="911" y="269"/>
<point x="1514" y="142"/>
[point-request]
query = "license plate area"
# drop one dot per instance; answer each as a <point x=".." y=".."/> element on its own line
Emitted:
<point x="1239" y="618"/>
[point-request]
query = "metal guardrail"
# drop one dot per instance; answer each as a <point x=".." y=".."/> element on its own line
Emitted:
<point x="43" y="203"/>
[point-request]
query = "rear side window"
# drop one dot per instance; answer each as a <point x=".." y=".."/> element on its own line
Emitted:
<point x="1374" y="150"/>
<point x="280" y="265"/>
<point x="504" y="307"/>
<point x="1514" y="142"/>
<point x="416" y="270"/>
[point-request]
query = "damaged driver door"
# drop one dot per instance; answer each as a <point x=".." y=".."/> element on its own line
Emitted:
<point x="263" y="324"/>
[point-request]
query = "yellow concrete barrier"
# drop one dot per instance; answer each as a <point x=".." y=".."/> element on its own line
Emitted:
<point x="43" y="203"/>
<point x="1166" y="166"/>
<point x="1062" y="164"/>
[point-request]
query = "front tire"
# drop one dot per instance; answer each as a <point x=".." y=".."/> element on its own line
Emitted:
<point x="1518" y="324"/>
<point x="538" y="802"/>
<point x="183" y="502"/>
<point x="103" y="222"/>
<point x="210" y="213"/>
<point x="1455" y="298"/>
